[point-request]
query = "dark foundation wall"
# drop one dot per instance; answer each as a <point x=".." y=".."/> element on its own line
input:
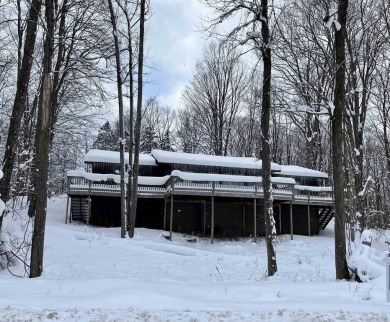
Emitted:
<point x="300" y="220"/>
<point x="105" y="212"/>
<point x="187" y="216"/>
<point x="150" y="213"/>
<point x="232" y="218"/>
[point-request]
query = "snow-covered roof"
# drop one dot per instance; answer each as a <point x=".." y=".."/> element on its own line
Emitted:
<point x="297" y="171"/>
<point x="210" y="160"/>
<point x="95" y="155"/>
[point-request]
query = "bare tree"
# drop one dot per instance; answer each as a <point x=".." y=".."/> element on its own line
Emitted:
<point x="20" y="100"/>
<point x="161" y="119"/>
<point x="338" y="139"/>
<point x="41" y="159"/>
<point x="214" y="97"/>
<point x="255" y="15"/>
<point x="365" y="40"/>
<point x="304" y="67"/>
<point x="137" y="130"/>
<point x="121" y="122"/>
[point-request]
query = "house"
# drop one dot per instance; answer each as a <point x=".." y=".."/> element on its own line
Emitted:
<point x="201" y="194"/>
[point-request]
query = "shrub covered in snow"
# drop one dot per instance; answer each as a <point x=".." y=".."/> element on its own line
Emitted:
<point x="6" y="257"/>
<point x="362" y="262"/>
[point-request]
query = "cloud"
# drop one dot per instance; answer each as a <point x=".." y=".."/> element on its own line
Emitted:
<point x="174" y="47"/>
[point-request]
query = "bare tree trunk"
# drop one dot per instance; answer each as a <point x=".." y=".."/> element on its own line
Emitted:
<point x="121" y="124"/>
<point x="42" y="143"/>
<point x="137" y="130"/>
<point x="337" y="139"/>
<point x="19" y="102"/>
<point x="131" y="130"/>
<point x="270" y="230"/>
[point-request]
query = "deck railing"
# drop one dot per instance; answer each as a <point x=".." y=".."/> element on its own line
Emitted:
<point x="79" y="185"/>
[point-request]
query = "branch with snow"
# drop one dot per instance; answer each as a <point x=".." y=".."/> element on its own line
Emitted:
<point x="364" y="191"/>
<point x="331" y="18"/>
<point x="2" y="204"/>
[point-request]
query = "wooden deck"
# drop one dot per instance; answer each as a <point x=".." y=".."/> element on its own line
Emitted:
<point x="282" y="192"/>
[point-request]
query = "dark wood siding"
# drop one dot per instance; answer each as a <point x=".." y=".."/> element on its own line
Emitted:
<point x="113" y="168"/>
<point x="167" y="168"/>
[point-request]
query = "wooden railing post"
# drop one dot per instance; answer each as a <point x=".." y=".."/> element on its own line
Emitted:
<point x="68" y="184"/>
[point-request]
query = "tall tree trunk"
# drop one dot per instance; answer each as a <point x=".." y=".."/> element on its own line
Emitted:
<point x="56" y="85"/>
<point x="42" y="144"/>
<point x="20" y="101"/>
<point x="131" y="130"/>
<point x="337" y="139"/>
<point x="121" y="123"/>
<point x="137" y="130"/>
<point x="270" y="229"/>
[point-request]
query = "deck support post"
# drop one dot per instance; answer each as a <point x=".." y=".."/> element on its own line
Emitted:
<point x="171" y="214"/>
<point x="67" y="209"/>
<point x="165" y="213"/>
<point x="212" y="213"/>
<point x="204" y="217"/>
<point x="280" y="219"/>
<point x="291" y="222"/>
<point x="254" y="215"/>
<point x="243" y="219"/>
<point x="308" y="213"/>
<point x="89" y="209"/>
<point x="89" y="200"/>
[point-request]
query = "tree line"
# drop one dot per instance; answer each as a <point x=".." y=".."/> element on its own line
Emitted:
<point x="297" y="78"/>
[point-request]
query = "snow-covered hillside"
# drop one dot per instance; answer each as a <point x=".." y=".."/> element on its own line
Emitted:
<point x="91" y="274"/>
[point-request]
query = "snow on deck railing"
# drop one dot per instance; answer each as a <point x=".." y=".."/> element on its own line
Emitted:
<point x="185" y="181"/>
<point x="313" y="192"/>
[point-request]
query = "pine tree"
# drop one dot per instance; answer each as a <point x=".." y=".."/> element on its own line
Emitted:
<point x="148" y="140"/>
<point x="106" y="138"/>
<point x="166" y="141"/>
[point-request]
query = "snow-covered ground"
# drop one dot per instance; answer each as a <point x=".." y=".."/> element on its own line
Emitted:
<point x="91" y="274"/>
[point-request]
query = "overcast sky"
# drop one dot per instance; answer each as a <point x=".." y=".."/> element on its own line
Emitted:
<point x="174" y="45"/>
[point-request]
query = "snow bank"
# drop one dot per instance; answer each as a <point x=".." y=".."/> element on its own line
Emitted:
<point x="173" y="249"/>
<point x="91" y="274"/>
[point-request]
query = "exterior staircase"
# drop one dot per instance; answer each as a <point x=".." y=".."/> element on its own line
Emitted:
<point x="79" y="209"/>
<point x="326" y="215"/>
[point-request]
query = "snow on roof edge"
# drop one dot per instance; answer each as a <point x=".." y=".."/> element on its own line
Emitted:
<point x="210" y="160"/>
<point x="95" y="155"/>
<point x="298" y="171"/>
